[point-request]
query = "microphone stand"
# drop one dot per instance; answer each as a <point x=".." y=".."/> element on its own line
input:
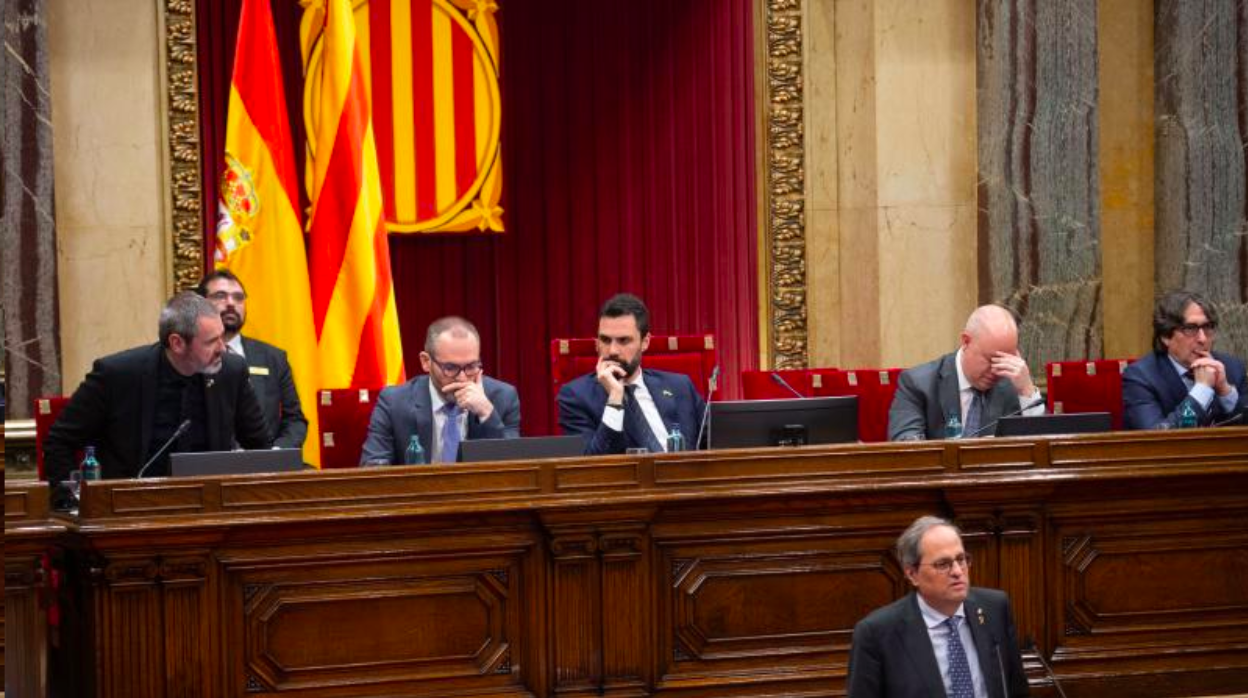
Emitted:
<point x="775" y="377"/>
<point x="177" y="434"/>
<point x="705" y="428"/>
<point x="993" y="423"/>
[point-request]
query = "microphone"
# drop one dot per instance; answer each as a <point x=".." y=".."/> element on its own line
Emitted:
<point x="1005" y="685"/>
<point x="993" y="423"/>
<point x="177" y="434"/>
<point x="1231" y="420"/>
<point x="775" y="377"/>
<point x="705" y="427"/>
<point x="1030" y="646"/>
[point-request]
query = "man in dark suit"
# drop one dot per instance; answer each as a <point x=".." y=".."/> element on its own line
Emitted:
<point x="945" y="638"/>
<point x="454" y="402"/>
<point x="621" y="405"/>
<point x="270" y="373"/>
<point x="965" y="392"/>
<point x="1183" y="370"/>
<point x="133" y="402"/>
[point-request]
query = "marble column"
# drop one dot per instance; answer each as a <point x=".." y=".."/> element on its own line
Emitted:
<point x="1039" y="197"/>
<point x="1201" y="106"/>
<point x="28" y="269"/>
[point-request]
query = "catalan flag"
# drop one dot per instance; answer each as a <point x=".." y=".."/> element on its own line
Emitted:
<point x="259" y="234"/>
<point x="353" y="306"/>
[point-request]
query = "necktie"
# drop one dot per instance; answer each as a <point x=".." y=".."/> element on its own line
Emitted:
<point x="450" y="433"/>
<point x="974" y="414"/>
<point x="636" y="428"/>
<point x="960" y="683"/>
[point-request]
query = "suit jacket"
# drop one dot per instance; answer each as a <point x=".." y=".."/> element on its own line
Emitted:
<point x="274" y="386"/>
<point x="582" y="401"/>
<point x="892" y="656"/>
<point x="407" y="409"/>
<point x="927" y="396"/>
<point x="1153" y="392"/>
<point x="113" y="410"/>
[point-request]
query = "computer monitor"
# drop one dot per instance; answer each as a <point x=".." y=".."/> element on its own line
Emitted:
<point x="1040" y="425"/>
<point x="272" y="460"/>
<point x="476" y="450"/>
<point x="795" y="422"/>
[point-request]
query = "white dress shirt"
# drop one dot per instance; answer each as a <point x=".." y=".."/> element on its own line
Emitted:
<point x="939" y="634"/>
<point x="966" y="393"/>
<point x="436" y="401"/>
<point x="614" y="419"/>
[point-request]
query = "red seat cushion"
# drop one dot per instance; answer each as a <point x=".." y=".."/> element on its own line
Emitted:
<point x="759" y="385"/>
<point x="344" y="415"/>
<point x="47" y="409"/>
<point x="874" y="389"/>
<point x="1087" y="386"/>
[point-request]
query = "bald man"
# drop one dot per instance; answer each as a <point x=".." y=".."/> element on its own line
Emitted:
<point x="984" y="380"/>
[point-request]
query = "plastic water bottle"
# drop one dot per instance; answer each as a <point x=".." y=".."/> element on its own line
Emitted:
<point x="953" y="427"/>
<point x="90" y="466"/>
<point x="1187" y="416"/>
<point x="675" y="439"/>
<point x="415" y="453"/>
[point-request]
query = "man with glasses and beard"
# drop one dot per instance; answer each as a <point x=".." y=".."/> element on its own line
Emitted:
<point x="133" y="402"/>
<point x="1184" y="370"/>
<point x="454" y="402"/>
<point x="271" y="377"/>
<point x="620" y="405"/>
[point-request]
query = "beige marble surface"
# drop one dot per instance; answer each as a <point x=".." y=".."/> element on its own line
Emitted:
<point x="109" y="184"/>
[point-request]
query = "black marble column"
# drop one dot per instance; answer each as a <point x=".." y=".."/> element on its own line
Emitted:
<point x="32" y="348"/>
<point x="1201" y="69"/>
<point x="1039" y="196"/>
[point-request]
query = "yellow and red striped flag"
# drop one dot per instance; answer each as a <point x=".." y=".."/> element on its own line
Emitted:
<point x="259" y="234"/>
<point x="352" y="294"/>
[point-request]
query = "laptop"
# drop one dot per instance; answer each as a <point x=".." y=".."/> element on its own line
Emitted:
<point x="274" y="460"/>
<point x="531" y="447"/>
<point x="1040" y="425"/>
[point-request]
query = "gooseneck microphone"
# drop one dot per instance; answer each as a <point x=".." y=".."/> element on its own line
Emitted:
<point x="1231" y="420"/>
<point x="177" y="434"/>
<point x="993" y="423"/>
<point x="1030" y="645"/>
<point x="705" y="427"/>
<point x="1005" y="685"/>
<point x="775" y="377"/>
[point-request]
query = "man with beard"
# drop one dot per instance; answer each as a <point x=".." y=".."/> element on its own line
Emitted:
<point x="270" y="373"/>
<point x="621" y="405"/>
<point x="133" y="402"/>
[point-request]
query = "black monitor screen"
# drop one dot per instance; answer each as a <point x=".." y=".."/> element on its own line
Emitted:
<point x="1040" y="425"/>
<point x="796" y="422"/>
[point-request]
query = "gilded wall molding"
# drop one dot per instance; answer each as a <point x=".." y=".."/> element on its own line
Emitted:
<point x="181" y="94"/>
<point x="782" y="194"/>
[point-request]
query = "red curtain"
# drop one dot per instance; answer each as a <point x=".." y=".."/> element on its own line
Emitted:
<point x="628" y="146"/>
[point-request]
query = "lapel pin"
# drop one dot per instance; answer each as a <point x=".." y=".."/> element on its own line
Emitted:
<point x="980" y="613"/>
<point x="667" y="393"/>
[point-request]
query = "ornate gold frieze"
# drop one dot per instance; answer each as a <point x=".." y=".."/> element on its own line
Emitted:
<point x="182" y="110"/>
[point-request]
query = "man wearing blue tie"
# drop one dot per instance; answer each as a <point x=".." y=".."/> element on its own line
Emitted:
<point x="454" y="402"/>
<point x="946" y="638"/>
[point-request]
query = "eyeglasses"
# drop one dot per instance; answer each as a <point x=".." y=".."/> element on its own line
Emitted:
<point x="1190" y="329"/>
<point x="945" y="565"/>
<point x="450" y="369"/>
<point x="222" y="296"/>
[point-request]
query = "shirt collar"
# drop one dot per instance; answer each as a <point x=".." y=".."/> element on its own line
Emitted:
<point x="933" y="618"/>
<point x="236" y="345"/>
<point x="1177" y="366"/>
<point x="964" y="384"/>
<point x="436" y="401"/>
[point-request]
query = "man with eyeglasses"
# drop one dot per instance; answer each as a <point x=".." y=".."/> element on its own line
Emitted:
<point x="1183" y="371"/>
<point x="454" y="402"/>
<point x="268" y="369"/>
<point x="944" y="638"/>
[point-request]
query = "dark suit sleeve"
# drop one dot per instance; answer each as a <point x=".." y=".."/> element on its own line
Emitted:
<point x="81" y="423"/>
<point x="576" y="417"/>
<point x="504" y="421"/>
<point x="1142" y="405"/>
<point x="907" y="418"/>
<point x="866" y="665"/>
<point x="292" y="428"/>
<point x="379" y="444"/>
<point x="249" y="428"/>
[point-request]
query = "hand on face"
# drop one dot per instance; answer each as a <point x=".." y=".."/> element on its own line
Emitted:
<point x="469" y="394"/>
<point x="1207" y="370"/>
<point x="611" y="377"/>
<point x="1013" y="367"/>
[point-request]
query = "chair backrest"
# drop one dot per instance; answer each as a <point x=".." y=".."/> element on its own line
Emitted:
<point x="692" y="355"/>
<point x="1087" y="386"/>
<point x="344" y="415"/>
<point x="47" y="409"/>
<point x="874" y="389"/>
<point x="759" y="385"/>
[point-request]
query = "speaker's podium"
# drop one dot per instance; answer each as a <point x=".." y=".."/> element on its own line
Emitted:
<point x="722" y="573"/>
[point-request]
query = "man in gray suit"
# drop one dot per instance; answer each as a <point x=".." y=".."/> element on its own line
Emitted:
<point x="455" y="401"/>
<point x="969" y="390"/>
<point x="945" y="638"/>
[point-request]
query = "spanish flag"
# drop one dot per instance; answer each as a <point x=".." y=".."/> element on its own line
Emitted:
<point x="259" y="234"/>
<point x="352" y="297"/>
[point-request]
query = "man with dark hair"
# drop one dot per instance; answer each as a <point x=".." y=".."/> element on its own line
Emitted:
<point x="946" y="638"/>
<point x="133" y="402"/>
<point x="620" y="405"/>
<point x="456" y="401"/>
<point x="1184" y="374"/>
<point x="267" y="366"/>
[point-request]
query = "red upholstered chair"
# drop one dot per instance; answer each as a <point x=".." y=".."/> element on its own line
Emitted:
<point x="692" y="355"/>
<point x="1087" y="386"/>
<point x="344" y="416"/>
<point x="47" y="409"/>
<point x="759" y="385"/>
<point x="874" y="389"/>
